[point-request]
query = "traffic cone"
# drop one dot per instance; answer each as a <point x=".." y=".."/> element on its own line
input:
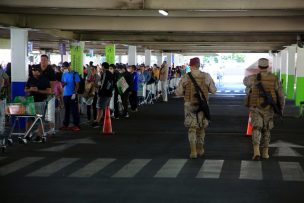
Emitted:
<point x="107" y="125"/>
<point x="249" y="126"/>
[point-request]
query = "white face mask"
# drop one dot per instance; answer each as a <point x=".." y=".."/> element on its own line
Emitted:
<point x="66" y="70"/>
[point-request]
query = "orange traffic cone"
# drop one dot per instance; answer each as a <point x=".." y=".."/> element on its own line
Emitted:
<point x="249" y="126"/>
<point x="107" y="125"/>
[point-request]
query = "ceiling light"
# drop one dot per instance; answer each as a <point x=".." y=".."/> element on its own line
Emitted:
<point x="163" y="12"/>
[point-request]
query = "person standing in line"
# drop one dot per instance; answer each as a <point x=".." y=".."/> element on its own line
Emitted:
<point x="49" y="73"/>
<point x="133" y="94"/>
<point x="70" y="81"/>
<point x="196" y="122"/>
<point x="262" y="112"/>
<point x="105" y="93"/>
<point x="39" y="87"/>
<point x="163" y="78"/>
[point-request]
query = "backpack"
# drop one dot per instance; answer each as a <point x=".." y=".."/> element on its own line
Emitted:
<point x="81" y="87"/>
<point x="107" y="85"/>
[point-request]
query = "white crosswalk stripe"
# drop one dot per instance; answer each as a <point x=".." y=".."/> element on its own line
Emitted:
<point x="92" y="168"/>
<point x="53" y="167"/>
<point x="171" y="169"/>
<point x="132" y="168"/>
<point x="291" y="171"/>
<point x="251" y="170"/>
<point x="211" y="169"/>
<point x="17" y="165"/>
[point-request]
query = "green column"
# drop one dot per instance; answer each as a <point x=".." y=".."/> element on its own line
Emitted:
<point x="77" y="57"/>
<point x="300" y="76"/>
<point x="110" y="53"/>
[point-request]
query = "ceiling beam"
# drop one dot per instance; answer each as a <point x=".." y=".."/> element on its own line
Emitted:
<point x="187" y="37"/>
<point x="234" y="24"/>
<point x="160" y="4"/>
<point x="68" y="35"/>
<point x="150" y="13"/>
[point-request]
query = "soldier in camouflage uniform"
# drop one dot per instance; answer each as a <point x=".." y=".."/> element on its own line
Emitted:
<point x="262" y="117"/>
<point x="196" y="123"/>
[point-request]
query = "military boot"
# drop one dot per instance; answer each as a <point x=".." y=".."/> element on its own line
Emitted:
<point x="265" y="154"/>
<point x="256" y="153"/>
<point x="193" y="154"/>
<point x="200" y="149"/>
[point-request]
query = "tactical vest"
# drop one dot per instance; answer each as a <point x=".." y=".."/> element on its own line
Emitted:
<point x="255" y="97"/>
<point x="190" y="89"/>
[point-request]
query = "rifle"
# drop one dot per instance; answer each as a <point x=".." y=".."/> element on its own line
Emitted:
<point x="268" y="100"/>
<point x="203" y="105"/>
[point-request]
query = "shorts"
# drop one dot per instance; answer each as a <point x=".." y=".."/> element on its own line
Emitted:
<point x="103" y="102"/>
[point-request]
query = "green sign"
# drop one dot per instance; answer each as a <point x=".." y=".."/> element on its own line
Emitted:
<point x="77" y="58"/>
<point x="110" y="53"/>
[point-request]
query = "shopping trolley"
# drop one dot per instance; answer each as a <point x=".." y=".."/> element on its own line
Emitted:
<point x="17" y="112"/>
<point x="2" y="125"/>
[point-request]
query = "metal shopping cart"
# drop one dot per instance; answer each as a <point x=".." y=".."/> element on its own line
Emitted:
<point x="2" y="125"/>
<point x="17" y="112"/>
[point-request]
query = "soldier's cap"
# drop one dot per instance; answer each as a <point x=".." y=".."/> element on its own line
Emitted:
<point x="194" y="61"/>
<point x="263" y="63"/>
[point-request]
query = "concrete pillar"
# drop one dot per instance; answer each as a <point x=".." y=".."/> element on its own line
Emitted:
<point x="273" y="57"/>
<point x="170" y="59"/>
<point x="19" y="38"/>
<point x="148" y="57"/>
<point x="132" y="55"/>
<point x="119" y="58"/>
<point x="291" y="71"/>
<point x="284" y="69"/>
<point x="300" y="76"/>
<point x="159" y="59"/>
<point x="278" y="68"/>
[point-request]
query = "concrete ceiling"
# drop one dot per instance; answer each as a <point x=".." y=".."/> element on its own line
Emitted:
<point x="192" y="26"/>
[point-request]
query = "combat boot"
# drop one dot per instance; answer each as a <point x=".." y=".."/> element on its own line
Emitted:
<point x="265" y="154"/>
<point x="193" y="154"/>
<point x="200" y="149"/>
<point x="256" y="153"/>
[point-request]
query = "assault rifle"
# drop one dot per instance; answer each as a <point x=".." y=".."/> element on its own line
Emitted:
<point x="203" y="105"/>
<point x="268" y="100"/>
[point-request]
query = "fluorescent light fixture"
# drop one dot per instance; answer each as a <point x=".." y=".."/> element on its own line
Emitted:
<point x="163" y="12"/>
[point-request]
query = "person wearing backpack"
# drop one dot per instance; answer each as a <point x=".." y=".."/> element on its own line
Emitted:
<point x="105" y="93"/>
<point x="70" y="81"/>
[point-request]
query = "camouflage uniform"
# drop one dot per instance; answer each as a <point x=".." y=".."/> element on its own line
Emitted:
<point x="262" y="118"/>
<point x="196" y="123"/>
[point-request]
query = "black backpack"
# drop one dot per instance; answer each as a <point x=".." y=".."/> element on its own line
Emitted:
<point x="81" y="83"/>
<point x="107" y="86"/>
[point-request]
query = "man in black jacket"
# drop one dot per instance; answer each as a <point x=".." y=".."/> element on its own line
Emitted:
<point x="104" y="93"/>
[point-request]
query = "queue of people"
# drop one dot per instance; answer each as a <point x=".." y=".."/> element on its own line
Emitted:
<point x="127" y="87"/>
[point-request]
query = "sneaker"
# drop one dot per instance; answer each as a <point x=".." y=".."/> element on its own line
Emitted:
<point x="127" y="115"/>
<point x="75" y="128"/>
<point x="38" y="139"/>
<point x="94" y="124"/>
<point x="64" y="128"/>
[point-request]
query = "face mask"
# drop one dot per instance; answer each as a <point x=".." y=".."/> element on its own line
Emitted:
<point x="65" y="70"/>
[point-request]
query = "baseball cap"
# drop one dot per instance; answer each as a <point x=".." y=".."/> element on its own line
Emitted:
<point x="36" y="68"/>
<point x="194" y="61"/>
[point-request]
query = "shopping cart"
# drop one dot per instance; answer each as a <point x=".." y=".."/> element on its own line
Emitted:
<point x="2" y="125"/>
<point x="17" y="115"/>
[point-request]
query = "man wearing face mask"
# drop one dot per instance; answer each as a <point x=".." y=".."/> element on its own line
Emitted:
<point x="70" y="81"/>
